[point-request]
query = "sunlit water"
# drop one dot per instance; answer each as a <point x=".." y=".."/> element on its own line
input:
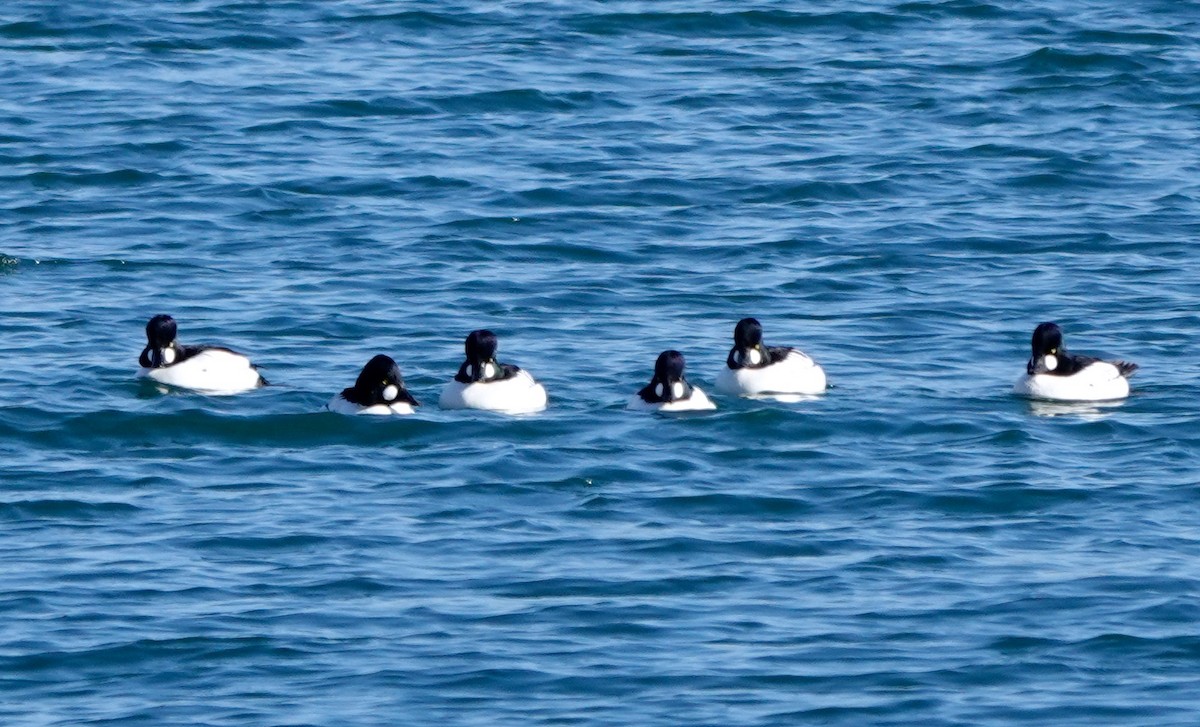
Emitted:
<point x="902" y="190"/>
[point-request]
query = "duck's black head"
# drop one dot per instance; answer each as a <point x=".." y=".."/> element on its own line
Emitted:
<point x="481" y="357"/>
<point x="161" y="331"/>
<point x="161" y="349"/>
<point x="481" y="346"/>
<point x="668" y="383"/>
<point x="380" y="382"/>
<point x="747" y="333"/>
<point x="748" y="350"/>
<point x="1047" y="338"/>
<point x="1047" y="350"/>
<point x="669" y="366"/>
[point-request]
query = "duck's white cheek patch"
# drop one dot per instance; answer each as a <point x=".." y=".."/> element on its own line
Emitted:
<point x="677" y="389"/>
<point x="489" y="371"/>
<point x="390" y="392"/>
<point x="1050" y="362"/>
<point x="755" y="357"/>
<point x="658" y="390"/>
<point x="168" y="356"/>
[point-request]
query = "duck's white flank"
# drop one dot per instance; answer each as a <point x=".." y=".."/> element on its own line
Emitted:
<point x="520" y="394"/>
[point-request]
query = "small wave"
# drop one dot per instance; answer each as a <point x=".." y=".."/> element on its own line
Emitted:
<point x="639" y="193"/>
<point x="767" y="507"/>
<point x="1127" y="37"/>
<point x="170" y="45"/>
<point x="173" y="650"/>
<point x="63" y="509"/>
<point x="618" y="587"/>
<point x="115" y="178"/>
<point x="412" y="20"/>
<point x="261" y="544"/>
<point x="732" y="24"/>
<point x="970" y="9"/>
<point x="203" y="426"/>
<point x="253" y="41"/>
<point x="343" y="187"/>
<point x="1053" y="60"/>
<point x="819" y="193"/>
<point x="1045" y="181"/>
<point x="518" y="100"/>
<point x="354" y="108"/>
<point x="82" y="29"/>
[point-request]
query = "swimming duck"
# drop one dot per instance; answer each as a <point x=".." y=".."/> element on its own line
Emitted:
<point x="1052" y="373"/>
<point x="753" y="369"/>
<point x="378" y="390"/>
<point x="204" y="369"/>
<point x="484" y="383"/>
<point x="668" y="390"/>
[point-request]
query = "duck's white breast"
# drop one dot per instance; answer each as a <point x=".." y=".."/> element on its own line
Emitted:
<point x="339" y="405"/>
<point x="1100" y="381"/>
<point x="517" y="395"/>
<point x="698" y="401"/>
<point x="795" y="374"/>
<point x="213" y="371"/>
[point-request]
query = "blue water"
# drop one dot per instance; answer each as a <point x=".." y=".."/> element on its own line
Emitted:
<point x="901" y="189"/>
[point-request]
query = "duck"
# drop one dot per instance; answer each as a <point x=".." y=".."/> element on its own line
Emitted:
<point x="203" y="369"/>
<point x="669" y="390"/>
<point x="1056" y="375"/>
<point x="753" y="369"/>
<point x="484" y="383"/>
<point x="378" y="390"/>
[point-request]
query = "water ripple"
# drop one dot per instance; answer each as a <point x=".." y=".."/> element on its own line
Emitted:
<point x="900" y="189"/>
